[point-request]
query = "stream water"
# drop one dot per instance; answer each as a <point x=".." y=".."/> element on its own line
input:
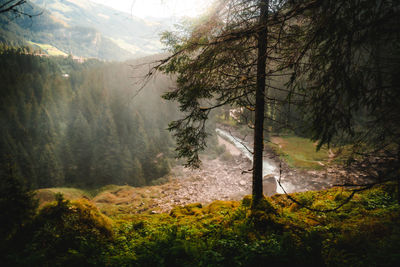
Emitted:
<point x="268" y="167"/>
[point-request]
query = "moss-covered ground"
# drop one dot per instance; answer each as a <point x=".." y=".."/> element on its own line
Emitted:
<point x="116" y="201"/>
<point x="364" y="232"/>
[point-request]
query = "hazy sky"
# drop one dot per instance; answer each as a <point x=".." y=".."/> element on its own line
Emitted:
<point x="158" y="8"/>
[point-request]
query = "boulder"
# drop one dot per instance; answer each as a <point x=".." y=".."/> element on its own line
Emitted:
<point x="269" y="185"/>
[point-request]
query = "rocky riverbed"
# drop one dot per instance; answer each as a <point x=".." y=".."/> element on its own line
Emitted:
<point x="221" y="178"/>
<point x="217" y="179"/>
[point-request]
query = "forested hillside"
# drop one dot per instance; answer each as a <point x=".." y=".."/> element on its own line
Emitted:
<point x="66" y="123"/>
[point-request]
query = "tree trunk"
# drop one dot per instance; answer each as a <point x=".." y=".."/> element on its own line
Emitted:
<point x="260" y="104"/>
<point x="398" y="174"/>
<point x="398" y="190"/>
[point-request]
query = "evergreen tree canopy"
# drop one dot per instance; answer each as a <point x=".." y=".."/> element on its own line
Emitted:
<point x="81" y="130"/>
<point x="347" y="66"/>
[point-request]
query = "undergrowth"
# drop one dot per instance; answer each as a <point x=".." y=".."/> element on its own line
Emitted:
<point x="364" y="232"/>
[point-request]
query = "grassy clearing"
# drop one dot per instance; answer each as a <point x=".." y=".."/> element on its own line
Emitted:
<point x="301" y="152"/>
<point x="46" y="195"/>
<point x="50" y="50"/>
<point x="115" y="201"/>
<point x="123" y="202"/>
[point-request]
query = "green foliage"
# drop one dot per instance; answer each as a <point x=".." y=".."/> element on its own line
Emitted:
<point x="363" y="232"/>
<point x="228" y="234"/>
<point x="209" y="68"/>
<point x="17" y="204"/>
<point x="160" y="181"/>
<point x="64" y="233"/>
<point x="346" y="64"/>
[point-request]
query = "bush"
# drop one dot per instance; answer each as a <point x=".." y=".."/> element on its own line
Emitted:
<point x="65" y="233"/>
<point x="160" y="181"/>
<point x="226" y="156"/>
<point x="17" y="205"/>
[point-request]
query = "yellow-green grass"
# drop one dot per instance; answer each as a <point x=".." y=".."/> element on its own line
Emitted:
<point x="50" y="50"/>
<point x="369" y="213"/>
<point x="46" y="195"/>
<point x="116" y="201"/>
<point x="227" y="122"/>
<point x="125" y="202"/>
<point x="301" y="152"/>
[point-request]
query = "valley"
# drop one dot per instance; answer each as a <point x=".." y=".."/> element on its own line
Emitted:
<point x="143" y="133"/>
<point x="226" y="177"/>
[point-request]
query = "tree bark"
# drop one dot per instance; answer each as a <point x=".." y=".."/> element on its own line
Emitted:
<point x="260" y="105"/>
<point x="398" y="174"/>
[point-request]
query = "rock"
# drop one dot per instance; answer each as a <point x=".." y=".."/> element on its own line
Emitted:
<point x="242" y="183"/>
<point x="269" y="185"/>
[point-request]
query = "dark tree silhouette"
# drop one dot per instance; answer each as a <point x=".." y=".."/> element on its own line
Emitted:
<point x="14" y="6"/>
<point x="347" y="66"/>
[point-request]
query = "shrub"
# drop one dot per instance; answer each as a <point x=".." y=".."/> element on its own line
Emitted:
<point x="65" y="233"/>
<point x="17" y="205"/>
<point x="226" y="156"/>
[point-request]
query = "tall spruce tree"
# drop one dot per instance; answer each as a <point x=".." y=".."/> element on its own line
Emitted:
<point x="107" y="150"/>
<point x="81" y="149"/>
<point x="222" y="60"/>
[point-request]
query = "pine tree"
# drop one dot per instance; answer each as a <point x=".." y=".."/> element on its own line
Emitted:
<point x="222" y="61"/>
<point x="137" y="173"/>
<point x="107" y="150"/>
<point x="17" y="203"/>
<point x="81" y="148"/>
<point x="49" y="170"/>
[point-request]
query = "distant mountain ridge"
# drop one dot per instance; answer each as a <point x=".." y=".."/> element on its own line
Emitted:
<point x="83" y="28"/>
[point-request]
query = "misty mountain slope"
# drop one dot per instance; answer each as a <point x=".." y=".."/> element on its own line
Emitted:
<point x="82" y="28"/>
<point x="138" y="36"/>
<point x="46" y="29"/>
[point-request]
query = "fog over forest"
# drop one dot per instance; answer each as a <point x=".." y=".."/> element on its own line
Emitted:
<point x="82" y="124"/>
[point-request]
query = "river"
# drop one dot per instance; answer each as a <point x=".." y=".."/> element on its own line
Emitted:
<point x="269" y="167"/>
